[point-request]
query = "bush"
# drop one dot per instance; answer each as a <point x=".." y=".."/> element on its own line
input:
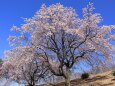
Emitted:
<point x="113" y="73"/>
<point x="85" y="76"/>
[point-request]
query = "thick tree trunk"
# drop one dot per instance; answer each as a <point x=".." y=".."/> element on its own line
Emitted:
<point x="32" y="84"/>
<point x="67" y="79"/>
<point x="29" y="85"/>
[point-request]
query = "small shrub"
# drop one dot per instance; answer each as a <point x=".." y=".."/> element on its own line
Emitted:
<point x="113" y="73"/>
<point x="85" y="76"/>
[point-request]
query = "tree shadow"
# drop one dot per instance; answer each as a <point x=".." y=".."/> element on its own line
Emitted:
<point x="113" y="79"/>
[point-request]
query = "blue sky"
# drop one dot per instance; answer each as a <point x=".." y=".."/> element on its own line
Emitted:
<point x="12" y="12"/>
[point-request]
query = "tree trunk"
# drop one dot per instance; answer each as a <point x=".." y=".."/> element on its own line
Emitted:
<point x="67" y="79"/>
<point x="30" y="85"/>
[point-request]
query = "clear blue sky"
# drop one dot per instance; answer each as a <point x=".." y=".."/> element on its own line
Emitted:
<point x="12" y="11"/>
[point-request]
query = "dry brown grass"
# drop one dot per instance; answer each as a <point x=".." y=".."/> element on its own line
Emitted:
<point x="104" y="79"/>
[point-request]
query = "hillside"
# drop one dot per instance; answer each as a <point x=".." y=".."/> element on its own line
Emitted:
<point x="103" y="79"/>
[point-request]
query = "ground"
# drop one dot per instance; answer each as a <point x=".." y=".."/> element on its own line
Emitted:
<point x="103" y="79"/>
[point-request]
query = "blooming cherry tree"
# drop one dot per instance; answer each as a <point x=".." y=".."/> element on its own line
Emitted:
<point x="23" y="66"/>
<point x="61" y="38"/>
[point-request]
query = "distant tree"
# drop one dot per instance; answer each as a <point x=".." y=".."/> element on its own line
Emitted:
<point x="62" y="39"/>
<point x="1" y="62"/>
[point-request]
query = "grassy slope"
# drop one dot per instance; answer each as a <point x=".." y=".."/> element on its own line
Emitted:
<point x="104" y="79"/>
